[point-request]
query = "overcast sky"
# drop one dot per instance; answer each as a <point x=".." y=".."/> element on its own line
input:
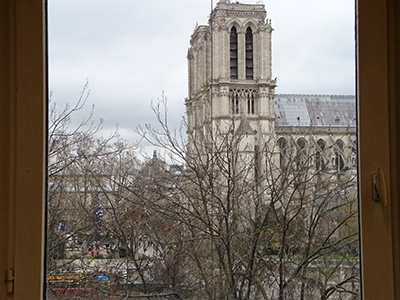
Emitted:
<point x="131" y="51"/>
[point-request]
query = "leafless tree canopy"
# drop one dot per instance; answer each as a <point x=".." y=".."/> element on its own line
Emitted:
<point x="209" y="221"/>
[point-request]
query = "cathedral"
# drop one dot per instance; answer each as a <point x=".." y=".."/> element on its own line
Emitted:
<point x="232" y="90"/>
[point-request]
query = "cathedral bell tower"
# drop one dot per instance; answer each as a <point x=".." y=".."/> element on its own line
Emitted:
<point x="230" y="73"/>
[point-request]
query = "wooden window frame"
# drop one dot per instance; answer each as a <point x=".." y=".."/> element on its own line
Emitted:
<point x="23" y="117"/>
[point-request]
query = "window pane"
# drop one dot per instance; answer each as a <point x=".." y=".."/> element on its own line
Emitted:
<point x="252" y="196"/>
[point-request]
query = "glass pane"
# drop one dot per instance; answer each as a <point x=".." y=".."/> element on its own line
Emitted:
<point x="252" y="196"/>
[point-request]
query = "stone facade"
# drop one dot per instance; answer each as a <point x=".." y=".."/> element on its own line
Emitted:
<point x="231" y="90"/>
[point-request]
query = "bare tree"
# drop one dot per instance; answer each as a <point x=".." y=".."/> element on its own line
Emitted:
<point x="257" y="224"/>
<point x="212" y="220"/>
<point x="76" y="179"/>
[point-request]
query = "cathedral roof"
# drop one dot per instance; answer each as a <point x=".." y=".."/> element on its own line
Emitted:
<point x="315" y="110"/>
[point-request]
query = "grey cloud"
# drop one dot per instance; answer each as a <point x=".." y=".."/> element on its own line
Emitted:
<point x="132" y="50"/>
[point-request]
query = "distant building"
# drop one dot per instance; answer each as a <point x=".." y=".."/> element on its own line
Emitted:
<point x="231" y="90"/>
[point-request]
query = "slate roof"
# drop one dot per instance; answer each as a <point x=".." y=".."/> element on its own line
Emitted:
<point x="315" y="110"/>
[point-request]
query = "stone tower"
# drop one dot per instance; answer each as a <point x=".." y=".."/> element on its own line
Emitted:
<point x="230" y="84"/>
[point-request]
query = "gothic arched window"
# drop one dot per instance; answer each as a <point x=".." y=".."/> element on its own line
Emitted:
<point x="319" y="155"/>
<point x="300" y="152"/>
<point x="249" y="53"/>
<point x="282" y="144"/>
<point x="234" y="53"/>
<point x="234" y="95"/>
<point x="250" y="103"/>
<point x="339" y="162"/>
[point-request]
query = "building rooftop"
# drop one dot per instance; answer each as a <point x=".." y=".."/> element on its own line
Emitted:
<point x="315" y="110"/>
